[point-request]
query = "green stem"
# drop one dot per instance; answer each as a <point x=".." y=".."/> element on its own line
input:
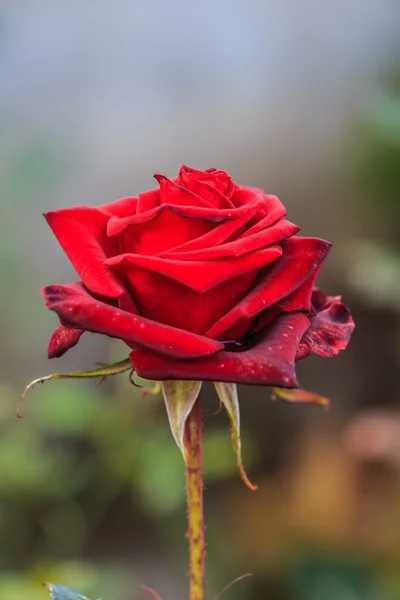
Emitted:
<point x="194" y="490"/>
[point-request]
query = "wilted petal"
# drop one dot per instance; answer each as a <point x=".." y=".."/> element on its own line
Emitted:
<point x="330" y="328"/>
<point x="62" y="339"/>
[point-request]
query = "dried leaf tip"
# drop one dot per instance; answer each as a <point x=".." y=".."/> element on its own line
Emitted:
<point x="299" y="396"/>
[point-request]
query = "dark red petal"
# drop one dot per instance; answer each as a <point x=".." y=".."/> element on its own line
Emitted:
<point x="116" y="226"/>
<point x="276" y="233"/>
<point x="82" y="233"/>
<point x="62" y="339"/>
<point x="329" y="332"/>
<point x="320" y="300"/>
<point x="76" y="307"/>
<point x="269" y="362"/>
<point x="217" y="235"/>
<point x="197" y="275"/>
<point x="300" y="258"/>
<point x="300" y="299"/>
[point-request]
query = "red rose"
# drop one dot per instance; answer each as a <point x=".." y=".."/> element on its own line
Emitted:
<point x="203" y="279"/>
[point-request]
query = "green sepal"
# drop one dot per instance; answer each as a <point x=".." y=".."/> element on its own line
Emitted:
<point x="102" y="372"/>
<point x="62" y="592"/>
<point x="227" y="393"/>
<point x="180" y="397"/>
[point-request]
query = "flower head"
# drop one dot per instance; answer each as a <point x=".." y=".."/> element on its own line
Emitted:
<point x="202" y="278"/>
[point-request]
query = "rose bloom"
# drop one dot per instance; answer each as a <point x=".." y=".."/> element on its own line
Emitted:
<point x="202" y="278"/>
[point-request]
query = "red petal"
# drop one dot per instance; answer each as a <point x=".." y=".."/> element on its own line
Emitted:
<point x="300" y="299"/>
<point x="164" y="232"/>
<point x="218" y="180"/>
<point x="123" y="207"/>
<point x="276" y="233"/>
<point x="147" y="201"/>
<point x="115" y="225"/>
<point x="167" y="301"/>
<point x="330" y="330"/>
<point x="172" y="193"/>
<point x="62" y="339"/>
<point x="82" y="233"/>
<point x="197" y="275"/>
<point x="271" y="205"/>
<point x="76" y="307"/>
<point x="300" y="258"/>
<point x="273" y="210"/>
<point x="217" y="235"/>
<point x="269" y="362"/>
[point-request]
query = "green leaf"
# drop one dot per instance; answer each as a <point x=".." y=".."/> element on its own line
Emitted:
<point x="227" y="393"/>
<point x="61" y="592"/>
<point x="179" y="397"/>
<point x="102" y="372"/>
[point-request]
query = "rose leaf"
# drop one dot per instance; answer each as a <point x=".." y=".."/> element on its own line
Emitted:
<point x="62" y="592"/>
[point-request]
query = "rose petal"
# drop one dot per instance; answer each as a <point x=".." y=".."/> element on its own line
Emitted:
<point x="197" y="275"/>
<point x="81" y="231"/>
<point x="329" y="332"/>
<point x="269" y="362"/>
<point x="167" y="301"/>
<point x="271" y="205"/>
<point x="215" y="179"/>
<point x="147" y="201"/>
<point x="123" y="207"/>
<point x="300" y="299"/>
<point x="245" y="195"/>
<point x="207" y="191"/>
<point x="76" y="307"/>
<point x="115" y="225"/>
<point x="276" y="233"/>
<point x="273" y="209"/>
<point x="300" y="258"/>
<point x="167" y="230"/>
<point x="177" y="195"/>
<point x="217" y="235"/>
<point x="62" y="339"/>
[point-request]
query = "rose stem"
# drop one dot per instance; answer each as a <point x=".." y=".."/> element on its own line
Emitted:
<point x="194" y="490"/>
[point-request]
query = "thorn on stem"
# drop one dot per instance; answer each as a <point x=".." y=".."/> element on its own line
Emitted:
<point x="98" y="384"/>
<point x="152" y="593"/>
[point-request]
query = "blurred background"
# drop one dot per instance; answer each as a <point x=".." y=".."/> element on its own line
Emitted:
<point x="299" y="98"/>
